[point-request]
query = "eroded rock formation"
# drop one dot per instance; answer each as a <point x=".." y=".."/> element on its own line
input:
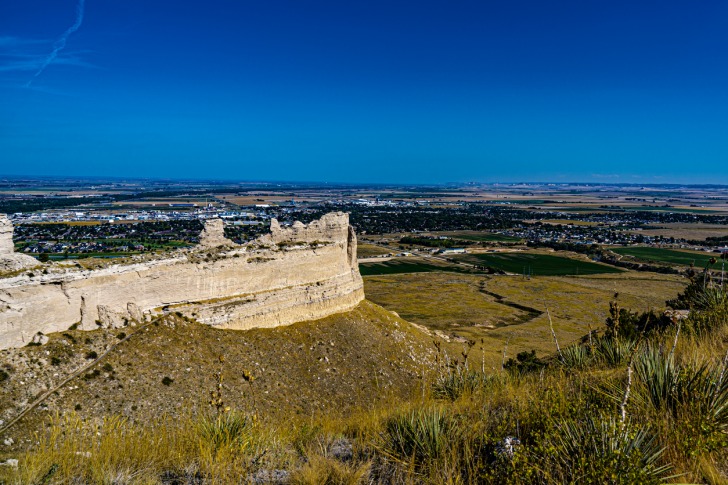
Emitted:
<point x="213" y="234"/>
<point x="292" y="274"/>
<point x="10" y="260"/>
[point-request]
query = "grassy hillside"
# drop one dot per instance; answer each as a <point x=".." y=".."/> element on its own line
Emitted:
<point x="343" y="362"/>
<point x="644" y="401"/>
<point x="363" y="398"/>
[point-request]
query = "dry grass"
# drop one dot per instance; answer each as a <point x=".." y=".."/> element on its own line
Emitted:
<point x="565" y="420"/>
<point x="370" y="250"/>
<point x="449" y="302"/>
<point x="360" y="358"/>
<point x="456" y="305"/>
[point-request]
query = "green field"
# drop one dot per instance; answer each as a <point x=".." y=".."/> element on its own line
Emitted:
<point x="398" y="266"/>
<point x="537" y="264"/>
<point x="660" y="255"/>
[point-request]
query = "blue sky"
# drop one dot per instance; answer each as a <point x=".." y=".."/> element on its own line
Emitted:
<point x="375" y="91"/>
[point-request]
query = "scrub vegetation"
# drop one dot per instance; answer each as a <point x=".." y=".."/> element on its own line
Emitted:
<point x="642" y="398"/>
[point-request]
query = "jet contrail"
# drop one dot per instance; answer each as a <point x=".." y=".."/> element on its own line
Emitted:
<point x="61" y="42"/>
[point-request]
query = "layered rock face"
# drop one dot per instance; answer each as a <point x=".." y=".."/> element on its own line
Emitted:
<point x="292" y="274"/>
<point x="9" y="260"/>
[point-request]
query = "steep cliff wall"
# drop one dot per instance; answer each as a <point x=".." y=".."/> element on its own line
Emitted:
<point x="292" y="274"/>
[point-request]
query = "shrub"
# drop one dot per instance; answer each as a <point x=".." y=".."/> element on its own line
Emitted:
<point x="660" y="379"/>
<point x="525" y="362"/>
<point x="70" y="337"/>
<point x="91" y="355"/>
<point x="4" y="376"/>
<point x="166" y="380"/>
<point x="91" y="375"/>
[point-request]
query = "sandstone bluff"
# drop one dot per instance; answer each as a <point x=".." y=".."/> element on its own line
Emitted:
<point x="296" y="273"/>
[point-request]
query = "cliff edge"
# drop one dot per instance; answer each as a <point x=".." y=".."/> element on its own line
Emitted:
<point x="297" y="273"/>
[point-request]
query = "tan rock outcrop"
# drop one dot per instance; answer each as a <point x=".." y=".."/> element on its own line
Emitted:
<point x="6" y="235"/>
<point x="9" y="259"/>
<point x="292" y="274"/>
<point x="213" y="234"/>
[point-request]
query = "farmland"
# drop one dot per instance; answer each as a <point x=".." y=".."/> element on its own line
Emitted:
<point x="410" y="265"/>
<point x="536" y="264"/>
<point x="659" y="255"/>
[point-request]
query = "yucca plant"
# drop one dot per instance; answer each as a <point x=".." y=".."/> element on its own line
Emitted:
<point x="576" y="357"/>
<point x="710" y="310"/>
<point x="419" y="438"/>
<point x="225" y="430"/>
<point x="695" y="396"/>
<point x="613" y="351"/>
<point x="603" y="450"/>
<point x="661" y="382"/>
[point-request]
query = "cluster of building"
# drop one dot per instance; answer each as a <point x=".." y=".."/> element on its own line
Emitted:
<point x="64" y="216"/>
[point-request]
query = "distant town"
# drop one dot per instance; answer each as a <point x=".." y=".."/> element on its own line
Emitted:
<point x="70" y="218"/>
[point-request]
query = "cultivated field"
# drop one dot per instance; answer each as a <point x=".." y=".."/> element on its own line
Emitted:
<point x="537" y="264"/>
<point x="673" y="256"/>
<point x="686" y="231"/>
<point x="411" y="265"/>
